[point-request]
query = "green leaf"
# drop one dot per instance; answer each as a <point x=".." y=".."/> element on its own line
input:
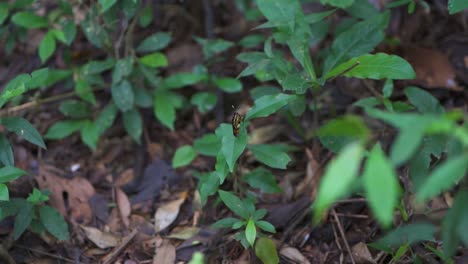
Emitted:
<point x="36" y="197"/>
<point x="69" y="31"/>
<point x="268" y="104"/>
<point x="387" y="89"/>
<point x="361" y="9"/>
<point x="229" y="85"/>
<point x="143" y="98"/>
<point x="154" y="60"/>
<point x="270" y="155"/>
<point x="317" y="17"/>
<point x="410" y="233"/>
<point x="208" y="145"/>
<point x="3" y="12"/>
<point x="338" y="3"/>
<point x="262" y="179"/>
<point x="123" y="68"/>
<point x="455" y="6"/>
<point x="63" y="129"/>
<point x="251" y="41"/>
<point x="260" y="91"/>
<point x="443" y="177"/>
<point x="84" y="91"/>
<point x="381" y="184"/>
<point x="133" y="124"/>
<point x="122" y="95"/>
<point x="359" y="39"/>
<point x="453" y="227"/>
<point x="164" y="110"/>
<point x="74" y="109"/>
<point x="341" y="131"/>
<point x="179" y="80"/>
<point x="231" y="146"/>
<point x="146" y="16"/>
<point x="9" y="173"/>
<point x="23" y="219"/>
<point x="265" y="226"/>
<point x="106" y="118"/>
<point x="207" y="185"/>
<point x="6" y="153"/>
<point x="259" y="214"/>
<point x="15" y="87"/>
<point x="106" y="4"/>
<point x="251" y="232"/>
<point x="265" y="250"/>
<point x="157" y="41"/>
<point x="47" y="46"/>
<point x="375" y="66"/>
<point x="54" y="223"/>
<point x="212" y="47"/>
<point x="183" y="156"/>
<point x="280" y="12"/>
<point x="338" y="177"/>
<point x="95" y="67"/>
<point x="29" y="20"/>
<point x="424" y="101"/>
<point x="233" y="203"/>
<point x="59" y="35"/>
<point x="24" y="129"/>
<point x="205" y="101"/>
<point x="90" y="134"/>
<point x="257" y="61"/>
<point x="221" y="167"/>
<point x="225" y="222"/>
<point x="4" y="195"/>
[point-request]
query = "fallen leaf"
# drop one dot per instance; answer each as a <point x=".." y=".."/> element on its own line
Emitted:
<point x="184" y="233"/>
<point x="264" y="134"/>
<point x="165" y="254"/>
<point x="167" y="213"/>
<point x="99" y="238"/>
<point x="362" y="254"/>
<point x="124" y="206"/>
<point x="293" y="255"/>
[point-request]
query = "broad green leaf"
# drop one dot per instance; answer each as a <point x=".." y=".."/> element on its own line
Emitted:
<point x="225" y="222"/>
<point x="23" y="219"/>
<point x="453" y="225"/>
<point x="211" y="47"/>
<point x="443" y="177"/>
<point x="154" y="60"/>
<point x="90" y="134"/>
<point x="221" y="167"/>
<point x="296" y="82"/>
<point x="143" y="98"/>
<point x="24" y="129"/>
<point x="265" y="226"/>
<point x="29" y="20"/>
<point x="207" y="185"/>
<point x="317" y="17"/>
<point x="47" y="46"/>
<point x="270" y="155"/>
<point x="157" y="41"/>
<point x="122" y="69"/>
<point x="183" y="156"/>
<point x="280" y="12"/>
<point x="423" y="101"/>
<point x="106" y="4"/>
<point x="69" y="31"/>
<point x="63" y="129"/>
<point x="260" y="91"/>
<point x="95" y="67"/>
<point x="3" y="12"/>
<point x="146" y="16"/>
<point x="9" y="173"/>
<point x="387" y="89"/>
<point x="361" y="9"/>
<point x="106" y="118"/>
<point x="259" y="214"/>
<point x="257" y="61"/>
<point x="361" y="38"/>
<point x="338" y="177"/>
<point x="74" y="109"/>
<point x="53" y="221"/>
<point x="179" y="80"/>
<point x="14" y="88"/>
<point x="368" y="102"/>
<point x="38" y="196"/>
<point x="205" y="101"/>
<point x="6" y="153"/>
<point x="133" y="124"/>
<point x="268" y="104"/>
<point x="233" y="203"/>
<point x="251" y="232"/>
<point x="381" y="184"/>
<point x="341" y="131"/>
<point x="262" y="179"/>
<point x="39" y="78"/>
<point x="410" y="233"/>
<point x="455" y="6"/>
<point x="4" y="194"/>
<point x="84" y="91"/>
<point x="164" y="110"/>
<point x="197" y="258"/>
<point x="375" y="66"/>
<point x="265" y="250"/>
<point x="251" y="41"/>
<point x="208" y="145"/>
<point x="59" y="35"/>
<point x="231" y="146"/>
<point x="338" y="3"/>
<point x="229" y="85"/>
<point x="122" y="95"/>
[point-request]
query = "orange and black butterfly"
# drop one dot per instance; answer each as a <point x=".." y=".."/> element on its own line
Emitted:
<point x="237" y="119"/>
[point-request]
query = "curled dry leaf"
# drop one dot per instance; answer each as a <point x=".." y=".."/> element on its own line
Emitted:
<point x="124" y="206"/>
<point x="362" y="254"/>
<point x="294" y="255"/>
<point x="264" y="134"/>
<point x="165" y="254"/>
<point x="167" y="213"/>
<point x="99" y="238"/>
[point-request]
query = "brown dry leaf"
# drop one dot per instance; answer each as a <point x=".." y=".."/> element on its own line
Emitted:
<point x="125" y="177"/>
<point x="184" y="233"/>
<point x="362" y="254"/>
<point x="313" y="174"/>
<point x="294" y="255"/>
<point x="99" y="238"/>
<point x="264" y="134"/>
<point x="167" y="213"/>
<point x="124" y="206"/>
<point x="433" y="68"/>
<point x="165" y="254"/>
<point x="77" y="190"/>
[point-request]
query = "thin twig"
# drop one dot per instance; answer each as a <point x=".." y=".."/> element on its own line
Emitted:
<point x="116" y="251"/>
<point x="343" y="236"/>
<point x="45" y="253"/>
<point x="345" y="71"/>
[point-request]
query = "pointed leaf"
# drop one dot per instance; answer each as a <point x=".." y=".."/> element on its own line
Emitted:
<point x="266" y="251"/>
<point x="53" y="221"/>
<point x="233" y="203"/>
<point x="270" y="155"/>
<point x="251" y="232"/>
<point x="24" y="129"/>
<point x="183" y="156"/>
<point x="231" y="146"/>
<point x="225" y="222"/>
<point x="154" y="42"/>
<point x="263" y="179"/>
<point x="9" y="173"/>
<point x="6" y="153"/>
<point x="122" y="95"/>
<point x="133" y="124"/>
<point x="268" y="104"/>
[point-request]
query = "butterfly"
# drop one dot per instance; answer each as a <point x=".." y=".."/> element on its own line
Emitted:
<point x="237" y="119"/>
